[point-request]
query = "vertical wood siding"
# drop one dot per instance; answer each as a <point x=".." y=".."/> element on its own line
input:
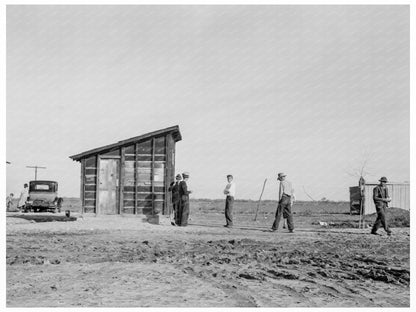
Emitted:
<point x="89" y="182"/>
<point x="399" y="193"/>
<point x="146" y="170"/>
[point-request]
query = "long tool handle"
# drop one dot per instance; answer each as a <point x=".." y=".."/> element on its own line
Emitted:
<point x="258" y="204"/>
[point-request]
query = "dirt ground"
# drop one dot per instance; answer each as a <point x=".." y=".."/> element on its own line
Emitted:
<point x="110" y="261"/>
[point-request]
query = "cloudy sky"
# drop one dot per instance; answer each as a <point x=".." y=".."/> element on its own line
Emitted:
<point x="313" y="91"/>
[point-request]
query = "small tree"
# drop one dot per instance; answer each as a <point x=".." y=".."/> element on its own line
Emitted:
<point x="360" y="172"/>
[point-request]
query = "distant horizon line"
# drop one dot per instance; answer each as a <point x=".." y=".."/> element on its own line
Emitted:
<point x="250" y="200"/>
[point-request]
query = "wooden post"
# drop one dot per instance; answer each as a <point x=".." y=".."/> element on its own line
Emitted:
<point x="152" y="177"/>
<point x="97" y="187"/>
<point x="136" y="175"/>
<point x="361" y="222"/>
<point x="82" y="193"/>
<point x="258" y="205"/>
<point x="121" y="180"/>
<point x="166" y="208"/>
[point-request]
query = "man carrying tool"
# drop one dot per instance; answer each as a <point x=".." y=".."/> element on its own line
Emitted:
<point x="286" y="198"/>
<point x="174" y="188"/>
<point x="381" y="199"/>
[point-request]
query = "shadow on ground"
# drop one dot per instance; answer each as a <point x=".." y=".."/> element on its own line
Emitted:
<point x="44" y="218"/>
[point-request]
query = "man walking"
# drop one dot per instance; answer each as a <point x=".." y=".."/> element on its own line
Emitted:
<point x="229" y="192"/>
<point x="183" y="212"/>
<point x="286" y="198"/>
<point x="174" y="188"/>
<point x="381" y="199"/>
<point x="24" y="194"/>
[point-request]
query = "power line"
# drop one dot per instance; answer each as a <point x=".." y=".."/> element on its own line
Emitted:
<point x="36" y="170"/>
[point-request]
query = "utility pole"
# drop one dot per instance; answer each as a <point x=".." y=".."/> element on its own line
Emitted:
<point x="36" y="170"/>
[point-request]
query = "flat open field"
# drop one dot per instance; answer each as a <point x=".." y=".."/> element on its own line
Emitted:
<point x="124" y="261"/>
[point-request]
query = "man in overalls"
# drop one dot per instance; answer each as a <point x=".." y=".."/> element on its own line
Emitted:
<point x="286" y="198"/>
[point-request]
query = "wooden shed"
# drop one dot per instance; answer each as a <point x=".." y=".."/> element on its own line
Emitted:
<point x="399" y="193"/>
<point x="131" y="176"/>
<point x="362" y="196"/>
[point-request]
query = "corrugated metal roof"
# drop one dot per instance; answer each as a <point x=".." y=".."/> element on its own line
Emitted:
<point x="174" y="130"/>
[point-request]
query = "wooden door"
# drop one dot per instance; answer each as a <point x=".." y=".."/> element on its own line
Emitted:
<point x="108" y="191"/>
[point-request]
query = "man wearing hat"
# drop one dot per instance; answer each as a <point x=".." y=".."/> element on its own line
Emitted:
<point x="381" y="199"/>
<point x="174" y="188"/>
<point x="229" y="192"/>
<point x="286" y="198"/>
<point x="183" y="212"/>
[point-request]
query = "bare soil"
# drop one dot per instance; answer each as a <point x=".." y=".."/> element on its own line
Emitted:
<point x="123" y="261"/>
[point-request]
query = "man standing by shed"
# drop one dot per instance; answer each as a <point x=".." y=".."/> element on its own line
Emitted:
<point x="381" y="199"/>
<point x="229" y="191"/>
<point x="174" y="188"/>
<point x="286" y="198"/>
<point x="184" y="201"/>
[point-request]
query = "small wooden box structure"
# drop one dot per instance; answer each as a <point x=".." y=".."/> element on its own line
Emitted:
<point x="355" y="199"/>
<point x="131" y="176"/>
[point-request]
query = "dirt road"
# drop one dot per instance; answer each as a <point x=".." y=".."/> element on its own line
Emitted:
<point x="123" y="261"/>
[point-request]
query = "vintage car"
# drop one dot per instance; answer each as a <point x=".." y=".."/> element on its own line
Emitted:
<point x="43" y="196"/>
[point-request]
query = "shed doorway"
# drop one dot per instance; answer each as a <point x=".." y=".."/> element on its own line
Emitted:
<point x="108" y="191"/>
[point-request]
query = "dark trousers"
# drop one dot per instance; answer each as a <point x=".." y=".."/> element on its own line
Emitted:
<point x="284" y="208"/>
<point x="183" y="211"/>
<point x="229" y="202"/>
<point x="176" y="211"/>
<point x="381" y="218"/>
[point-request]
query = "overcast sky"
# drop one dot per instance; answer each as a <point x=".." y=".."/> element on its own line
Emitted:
<point x="312" y="91"/>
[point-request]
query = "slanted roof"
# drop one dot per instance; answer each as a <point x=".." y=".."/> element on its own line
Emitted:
<point x="173" y="130"/>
